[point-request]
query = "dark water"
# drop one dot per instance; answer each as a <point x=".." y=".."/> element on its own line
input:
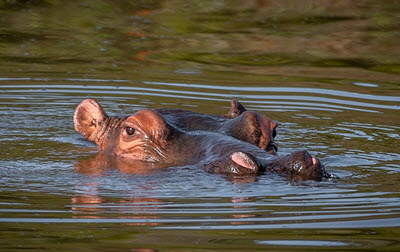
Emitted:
<point x="329" y="72"/>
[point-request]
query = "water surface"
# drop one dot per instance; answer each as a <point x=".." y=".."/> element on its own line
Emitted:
<point x="308" y="68"/>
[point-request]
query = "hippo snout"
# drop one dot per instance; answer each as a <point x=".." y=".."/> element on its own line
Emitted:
<point x="303" y="164"/>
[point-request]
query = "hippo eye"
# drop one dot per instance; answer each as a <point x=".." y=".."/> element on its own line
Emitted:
<point x="129" y="130"/>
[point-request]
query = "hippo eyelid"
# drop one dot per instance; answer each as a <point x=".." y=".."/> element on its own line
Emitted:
<point x="130" y="128"/>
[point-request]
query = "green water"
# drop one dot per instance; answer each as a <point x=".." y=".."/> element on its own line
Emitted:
<point x="328" y="71"/>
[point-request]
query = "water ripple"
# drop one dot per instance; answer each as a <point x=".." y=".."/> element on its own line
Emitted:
<point x="308" y="102"/>
<point x="284" y="90"/>
<point x="172" y="199"/>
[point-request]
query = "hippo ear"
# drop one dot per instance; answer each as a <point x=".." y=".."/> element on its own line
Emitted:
<point x="245" y="160"/>
<point x="274" y="125"/>
<point x="236" y="109"/>
<point x="238" y="163"/>
<point x="152" y="124"/>
<point x="87" y="118"/>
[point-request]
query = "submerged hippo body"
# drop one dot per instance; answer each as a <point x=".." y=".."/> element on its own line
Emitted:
<point x="230" y="145"/>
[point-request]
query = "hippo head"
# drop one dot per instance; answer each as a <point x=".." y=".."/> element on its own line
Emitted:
<point x="299" y="165"/>
<point x="239" y="123"/>
<point x="140" y="137"/>
<point x="253" y="128"/>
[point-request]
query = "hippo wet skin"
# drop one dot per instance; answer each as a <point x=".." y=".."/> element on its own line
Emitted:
<point x="244" y="125"/>
<point x="240" y="143"/>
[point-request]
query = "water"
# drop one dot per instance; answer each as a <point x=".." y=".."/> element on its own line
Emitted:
<point x="339" y="100"/>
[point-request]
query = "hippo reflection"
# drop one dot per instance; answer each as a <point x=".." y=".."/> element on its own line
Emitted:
<point x="240" y="143"/>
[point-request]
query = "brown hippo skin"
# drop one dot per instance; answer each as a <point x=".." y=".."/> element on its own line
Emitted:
<point x="239" y="123"/>
<point x="151" y="137"/>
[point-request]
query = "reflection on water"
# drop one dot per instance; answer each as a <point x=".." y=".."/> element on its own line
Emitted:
<point x="194" y="36"/>
<point x="303" y="243"/>
<point x="328" y="71"/>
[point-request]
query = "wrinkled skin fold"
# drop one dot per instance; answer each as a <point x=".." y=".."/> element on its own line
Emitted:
<point x="239" y="143"/>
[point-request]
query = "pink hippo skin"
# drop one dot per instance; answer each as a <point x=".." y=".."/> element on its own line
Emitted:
<point x="240" y="143"/>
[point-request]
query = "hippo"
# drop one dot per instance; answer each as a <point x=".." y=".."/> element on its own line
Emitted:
<point x="165" y="138"/>
<point x="239" y="123"/>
